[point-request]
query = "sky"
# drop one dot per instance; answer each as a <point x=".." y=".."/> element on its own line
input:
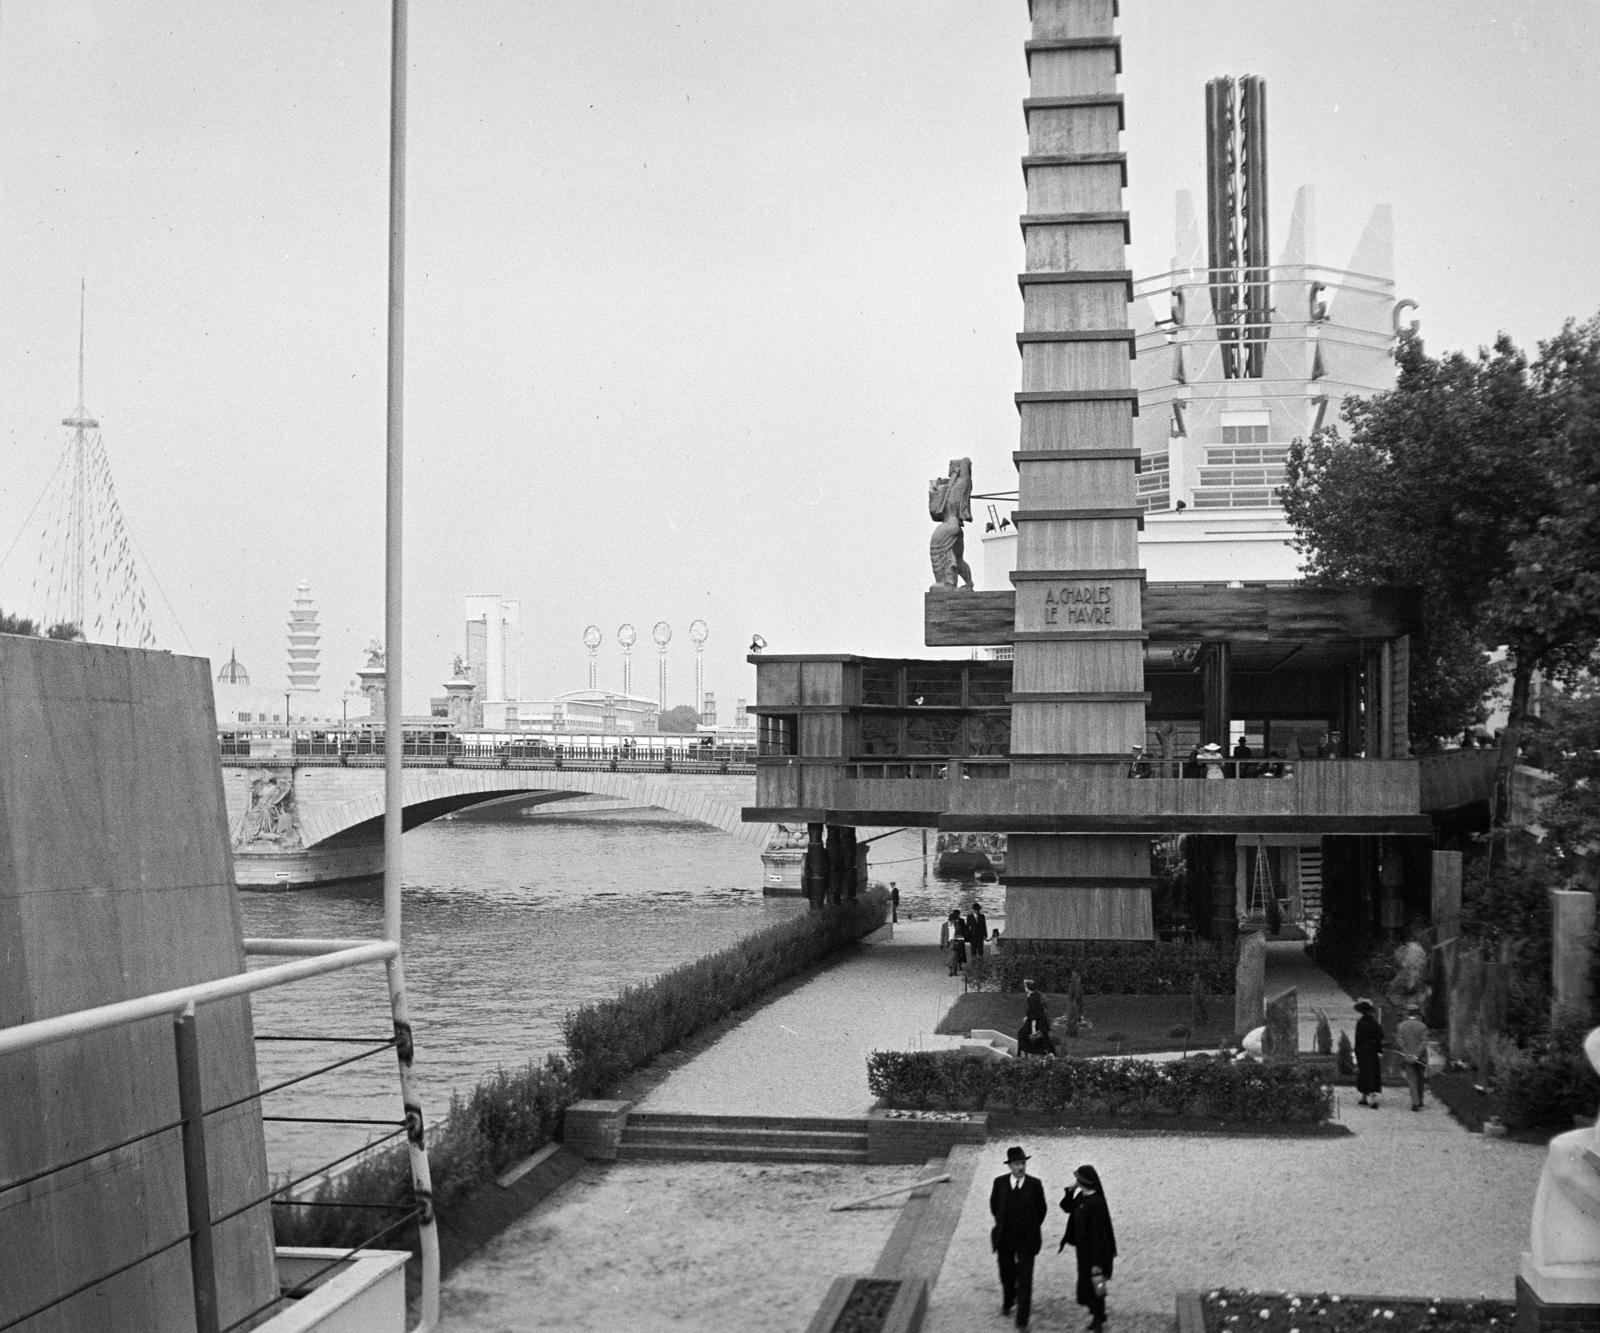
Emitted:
<point x="699" y="295"/>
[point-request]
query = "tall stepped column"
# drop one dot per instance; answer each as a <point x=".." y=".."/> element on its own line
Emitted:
<point x="1078" y="696"/>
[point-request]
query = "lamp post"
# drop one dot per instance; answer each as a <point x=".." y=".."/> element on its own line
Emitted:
<point x="698" y="633"/>
<point x="662" y="634"/>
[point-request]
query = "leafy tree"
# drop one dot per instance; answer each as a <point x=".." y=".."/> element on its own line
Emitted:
<point x="1569" y="740"/>
<point x="63" y="629"/>
<point x="66" y="630"/>
<point x="1477" y="478"/>
<point x="682" y="719"/>
<point x="10" y="624"/>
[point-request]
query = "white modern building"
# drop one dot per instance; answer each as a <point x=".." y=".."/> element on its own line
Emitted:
<point x="1236" y="357"/>
<point x="493" y="659"/>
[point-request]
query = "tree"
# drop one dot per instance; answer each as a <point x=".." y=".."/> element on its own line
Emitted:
<point x="65" y="630"/>
<point x="1476" y="478"/>
<point x="10" y="624"/>
<point x="682" y="719"/>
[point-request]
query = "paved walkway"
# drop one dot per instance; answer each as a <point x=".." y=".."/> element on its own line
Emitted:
<point x="1404" y="1204"/>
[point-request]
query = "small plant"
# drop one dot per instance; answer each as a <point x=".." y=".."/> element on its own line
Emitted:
<point x="1074" y="1019"/>
<point x="1199" y="1009"/>
<point x="1116" y="1036"/>
<point x="1346" y="1054"/>
<point x="1179" y="1032"/>
<point x="1322" y="1043"/>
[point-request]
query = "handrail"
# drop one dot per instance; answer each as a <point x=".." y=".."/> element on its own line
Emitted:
<point x="45" y="1031"/>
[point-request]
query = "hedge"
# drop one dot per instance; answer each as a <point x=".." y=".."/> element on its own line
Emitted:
<point x="512" y="1114"/>
<point x="1235" y="1090"/>
<point x="1113" y="967"/>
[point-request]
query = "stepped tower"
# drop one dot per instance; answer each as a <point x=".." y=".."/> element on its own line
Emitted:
<point x="1078" y="699"/>
<point x="305" y="643"/>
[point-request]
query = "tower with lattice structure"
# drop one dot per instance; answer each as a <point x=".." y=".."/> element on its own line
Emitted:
<point x="84" y="576"/>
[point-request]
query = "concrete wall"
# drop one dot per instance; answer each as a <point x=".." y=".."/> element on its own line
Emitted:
<point x="115" y="882"/>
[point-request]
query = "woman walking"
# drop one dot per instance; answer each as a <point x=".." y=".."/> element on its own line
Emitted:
<point x="1089" y="1232"/>
<point x="1369" y="1051"/>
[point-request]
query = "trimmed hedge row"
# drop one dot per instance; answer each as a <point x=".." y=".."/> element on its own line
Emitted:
<point x="513" y="1114"/>
<point x="610" y="1039"/>
<point x="1236" y="1090"/>
<point x="1112" y="967"/>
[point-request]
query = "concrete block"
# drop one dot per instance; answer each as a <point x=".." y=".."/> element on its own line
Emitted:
<point x="593" y="1128"/>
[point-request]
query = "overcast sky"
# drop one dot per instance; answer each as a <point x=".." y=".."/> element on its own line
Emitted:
<point x="701" y="294"/>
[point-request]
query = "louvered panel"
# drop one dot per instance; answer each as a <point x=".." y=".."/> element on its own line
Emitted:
<point x="1063" y="248"/>
<point x="1075" y="129"/>
<point x="1092" y="668"/>
<point x="1100" y="544"/>
<point x="1107" y="483"/>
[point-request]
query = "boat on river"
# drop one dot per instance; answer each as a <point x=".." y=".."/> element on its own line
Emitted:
<point x="980" y="854"/>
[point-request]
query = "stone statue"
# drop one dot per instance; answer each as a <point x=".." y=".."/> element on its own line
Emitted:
<point x="375" y="657"/>
<point x="1562" y="1264"/>
<point x="1410" y="983"/>
<point x="271" y="817"/>
<point x="458" y="668"/>
<point x="950" y="506"/>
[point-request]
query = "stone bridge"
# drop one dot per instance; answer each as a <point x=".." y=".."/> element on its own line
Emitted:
<point x="294" y="824"/>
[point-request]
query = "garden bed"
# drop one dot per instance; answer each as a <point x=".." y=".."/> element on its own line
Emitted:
<point x="1119" y="1024"/>
<point x="1229" y="1310"/>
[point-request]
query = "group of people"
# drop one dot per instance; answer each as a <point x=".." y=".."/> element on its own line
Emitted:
<point x="1411" y="1041"/>
<point x="964" y="935"/>
<point x="1017" y="1204"/>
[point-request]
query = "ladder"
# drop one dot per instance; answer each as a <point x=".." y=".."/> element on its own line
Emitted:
<point x="1311" y="883"/>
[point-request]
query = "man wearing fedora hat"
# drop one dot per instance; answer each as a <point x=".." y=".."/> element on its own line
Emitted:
<point x="1019" y="1209"/>
<point x="1412" y="1039"/>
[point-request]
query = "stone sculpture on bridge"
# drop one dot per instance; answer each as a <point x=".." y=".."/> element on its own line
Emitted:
<point x="271" y="816"/>
<point x="950" y="506"/>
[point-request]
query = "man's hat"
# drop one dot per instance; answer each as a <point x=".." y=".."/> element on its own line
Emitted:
<point x="1015" y="1155"/>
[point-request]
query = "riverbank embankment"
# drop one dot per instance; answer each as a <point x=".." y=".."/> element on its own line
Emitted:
<point x="1405" y="1204"/>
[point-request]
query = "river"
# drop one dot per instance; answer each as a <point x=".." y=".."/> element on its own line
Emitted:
<point x="508" y="926"/>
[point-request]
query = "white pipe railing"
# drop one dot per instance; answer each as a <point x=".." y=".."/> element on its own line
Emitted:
<point x="46" y="1031"/>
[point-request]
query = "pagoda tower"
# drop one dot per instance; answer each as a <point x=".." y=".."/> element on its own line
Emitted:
<point x="305" y="643"/>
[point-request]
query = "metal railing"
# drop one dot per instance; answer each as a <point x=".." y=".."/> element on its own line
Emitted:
<point x="312" y="958"/>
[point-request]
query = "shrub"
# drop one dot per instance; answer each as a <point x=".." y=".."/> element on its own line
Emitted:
<point x="1346" y="1054"/>
<point x="1322" y="1042"/>
<point x="1220" y="1089"/>
<point x="1115" y="967"/>
<point x="609" y="1039"/>
<point x="1179" y="1031"/>
<point x="1550" y="1084"/>
<point x="510" y="1115"/>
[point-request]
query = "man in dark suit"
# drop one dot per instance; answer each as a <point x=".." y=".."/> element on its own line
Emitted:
<point x="1017" y="1204"/>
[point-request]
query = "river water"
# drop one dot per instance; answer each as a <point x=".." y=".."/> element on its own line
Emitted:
<point x="508" y="926"/>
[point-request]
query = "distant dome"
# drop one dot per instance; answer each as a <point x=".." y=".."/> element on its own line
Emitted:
<point x="233" y="672"/>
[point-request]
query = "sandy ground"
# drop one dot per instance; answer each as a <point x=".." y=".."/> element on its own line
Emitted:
<point x="640" y="1246"/>
<point x="1405" y="1204"/>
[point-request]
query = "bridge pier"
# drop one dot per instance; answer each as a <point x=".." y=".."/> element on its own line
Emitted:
<point x="306" y="867"/>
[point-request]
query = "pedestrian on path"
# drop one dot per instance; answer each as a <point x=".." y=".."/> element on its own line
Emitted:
<point x="977" y="930"/>
<point x="1369" y="1051"/>
<point x="1412" y="1039"/>
<point x="1016" y="1201"/>
<point x="1033" y="1038"/>
<point x="1090" y="1233"/>
<point x="894" y="902"/>
<point x="958" y="942"/>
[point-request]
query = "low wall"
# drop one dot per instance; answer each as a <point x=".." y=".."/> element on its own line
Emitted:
<point x="905" y="1137"/>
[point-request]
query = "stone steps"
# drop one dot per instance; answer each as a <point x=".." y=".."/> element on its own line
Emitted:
<point x="732" y="1138"/>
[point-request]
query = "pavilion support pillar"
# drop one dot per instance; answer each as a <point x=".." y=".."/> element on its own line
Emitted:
<point x="1221" y="861"/>
<point x="1217" y="695"/>
<point x="1078" y="699"/>
<point x="814" y="871"/>
<point x="838" y="867"/>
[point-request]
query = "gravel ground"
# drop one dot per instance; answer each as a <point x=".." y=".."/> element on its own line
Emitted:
<point x="1404" y="1205"/>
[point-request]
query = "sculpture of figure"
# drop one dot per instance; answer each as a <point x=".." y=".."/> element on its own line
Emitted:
<point x="950" y="505"/>
<point x="1410" y="983"/>
<point x="458" y="668"/>
<point x="375" y="656"/>
<point x="1565" y="1249"/>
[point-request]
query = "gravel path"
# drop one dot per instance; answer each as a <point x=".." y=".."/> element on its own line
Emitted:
<point x="1405" y="1204"/>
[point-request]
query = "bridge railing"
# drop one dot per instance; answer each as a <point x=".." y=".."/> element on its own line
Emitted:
<point x="356" y="748"/>
<point x="312" y="958"/>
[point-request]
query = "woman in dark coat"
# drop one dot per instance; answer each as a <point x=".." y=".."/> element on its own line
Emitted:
<point x="1089" y="1232"/>
<point x="1034" y="1036"/>
<point x="1369" y="1050"/>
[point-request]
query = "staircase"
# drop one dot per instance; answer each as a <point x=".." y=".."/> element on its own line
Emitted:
<point x="664" y="1136"/>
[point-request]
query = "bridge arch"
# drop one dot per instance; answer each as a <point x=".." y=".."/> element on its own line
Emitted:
<point x="429" y="793"/>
